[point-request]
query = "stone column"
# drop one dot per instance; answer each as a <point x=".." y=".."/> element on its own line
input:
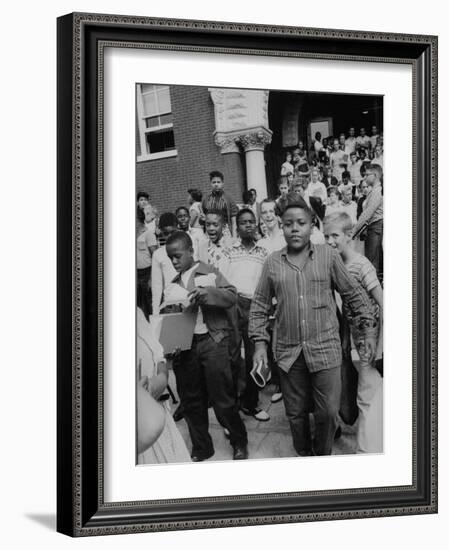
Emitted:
<point x="241" y="118"/>
<point x="253" y="144"/>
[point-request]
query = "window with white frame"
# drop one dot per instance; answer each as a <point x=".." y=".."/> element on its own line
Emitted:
<point x="155" y="121"/>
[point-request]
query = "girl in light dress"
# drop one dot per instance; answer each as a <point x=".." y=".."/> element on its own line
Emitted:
<point x="154" y="416"/>
<point x="287" y="167"/>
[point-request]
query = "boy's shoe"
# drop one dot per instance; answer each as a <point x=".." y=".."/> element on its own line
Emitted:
<point x="178" y="414"/>
<point x="258" y="414"/>
<point x="240" y="452"/>
<point x="277" y="396"/>
<point x="200" y="458"/>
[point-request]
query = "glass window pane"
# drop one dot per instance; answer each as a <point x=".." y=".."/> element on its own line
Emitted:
<point x="152" y="122"/>
<point x="147" y="87"/>
<point x="157" y="142"/>
<point x="149" y="104"/>
<point x="164" y="100"/>
<point x="166" y="119"/>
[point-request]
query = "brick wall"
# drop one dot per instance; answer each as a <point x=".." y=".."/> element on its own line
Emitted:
<point x="167" y="180"/>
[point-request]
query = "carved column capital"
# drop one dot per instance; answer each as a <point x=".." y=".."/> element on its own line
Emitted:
<point x="227" y="142"/>
<point x="255" y="139"/>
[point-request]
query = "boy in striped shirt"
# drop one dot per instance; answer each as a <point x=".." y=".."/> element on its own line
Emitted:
<point x="306" y="341"/>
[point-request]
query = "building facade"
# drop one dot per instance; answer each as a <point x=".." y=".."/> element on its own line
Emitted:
<point x="184" y="132"/>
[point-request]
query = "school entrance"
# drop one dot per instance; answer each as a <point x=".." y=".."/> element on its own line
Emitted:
<point x="297" y="116"/>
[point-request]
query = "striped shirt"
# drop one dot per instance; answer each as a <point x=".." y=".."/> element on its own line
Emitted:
<point x="306" y="318"/>
<point x="222" y="203"/>
<point x="364" y="273"/>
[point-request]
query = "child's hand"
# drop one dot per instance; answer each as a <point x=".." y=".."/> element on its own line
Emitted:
<point x="260" y="355"/>
<point x="175" y="353"/>
<point x="156" y="386"/>
<point x="198" y="296"/>
<point x="367" y="349"/>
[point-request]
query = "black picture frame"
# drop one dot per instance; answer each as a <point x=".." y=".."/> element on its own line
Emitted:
<point x="81" y="510"/>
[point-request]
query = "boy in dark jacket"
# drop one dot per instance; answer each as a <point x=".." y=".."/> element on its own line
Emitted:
<point x="203" y="373"/>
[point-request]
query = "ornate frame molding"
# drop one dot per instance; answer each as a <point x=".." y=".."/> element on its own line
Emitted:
<point x="81" y="42"/>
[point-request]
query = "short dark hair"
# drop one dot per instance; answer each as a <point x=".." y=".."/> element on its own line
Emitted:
<point x="196" y="194"/>
<point x="246" y="195"/>
<point x="300" y="203"/>
<point x="346" y="174"/>
<point x="317" y="206"/>
<point x="168" y="219"/>
<point x="244" y="211"/>
<point x="143" y="194"/>
<point x="181" y="208"/>
<point x="218" y="213"/>
<point x="216" y="174"/>
<point x="333" y="189"/>
<point x="180" y="237"/>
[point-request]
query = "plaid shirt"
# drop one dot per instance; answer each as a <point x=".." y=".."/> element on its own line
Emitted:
<point x="306" y="318"/>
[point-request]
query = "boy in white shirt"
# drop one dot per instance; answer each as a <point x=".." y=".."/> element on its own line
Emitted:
<point x="246" y="260"/>
<point x="374" y="137"/>
<point x="338" y="160"/>
<point x="162" y="272"/>
<point x="351" y="141"/>
<point x="316" y="188"/>
<point x="363" y="141"/>
<point x="347" y="204"/>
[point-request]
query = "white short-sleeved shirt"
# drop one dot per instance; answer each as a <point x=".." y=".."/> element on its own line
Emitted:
<point x="145" y="240"/>
<point x="351" y="209"/>
<point x="272" y="244"/>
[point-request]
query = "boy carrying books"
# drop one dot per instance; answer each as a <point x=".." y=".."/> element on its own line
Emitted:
<point x="306" y="341"/>
<point x="203" y="373"/>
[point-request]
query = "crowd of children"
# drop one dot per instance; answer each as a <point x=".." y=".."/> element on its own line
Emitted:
<point x="266" y="282"/>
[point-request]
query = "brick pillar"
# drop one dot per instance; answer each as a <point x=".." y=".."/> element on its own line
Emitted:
<point x="234" y="170"/>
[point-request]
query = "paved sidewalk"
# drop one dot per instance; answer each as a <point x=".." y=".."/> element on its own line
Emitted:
<point x="270" y="439"/>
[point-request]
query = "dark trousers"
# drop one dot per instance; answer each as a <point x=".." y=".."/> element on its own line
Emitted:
<point x="203" y="375"/>
<point x="317" y="392"/>
<point x="235" y="352"/>
<point x="250" y="396"/>
<point x="143" y="290"/>
<point x="373" y="244"/>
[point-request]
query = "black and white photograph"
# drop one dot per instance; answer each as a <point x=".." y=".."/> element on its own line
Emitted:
<point x="259" y="274"/>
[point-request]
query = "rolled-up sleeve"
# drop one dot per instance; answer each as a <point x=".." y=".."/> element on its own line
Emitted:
<point x="351" y="292"/>
<point x="261" y="306"/>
